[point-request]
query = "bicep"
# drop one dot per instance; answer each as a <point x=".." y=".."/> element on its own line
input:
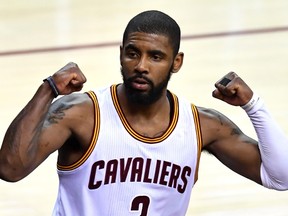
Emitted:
<point x="52" y="138"/>
<point x="230" y="145"/>
<point x="55" y="131"/>
<point x="69" y="119"/>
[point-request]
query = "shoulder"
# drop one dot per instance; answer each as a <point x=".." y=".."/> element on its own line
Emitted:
<point x="70" y="107"/>
<point x="71" y="100"/>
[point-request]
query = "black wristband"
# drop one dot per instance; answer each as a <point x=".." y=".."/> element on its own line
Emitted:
<point x="52" y="85"/>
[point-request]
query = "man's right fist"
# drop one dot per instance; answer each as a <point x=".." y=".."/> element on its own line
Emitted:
<point x="69" y="79"/>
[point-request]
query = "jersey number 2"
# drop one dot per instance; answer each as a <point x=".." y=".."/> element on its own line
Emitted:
<point x="135" y="205"/>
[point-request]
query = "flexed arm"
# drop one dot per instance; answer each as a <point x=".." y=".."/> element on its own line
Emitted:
<point x="273" y="143"/>
<point x="28" y="141"/>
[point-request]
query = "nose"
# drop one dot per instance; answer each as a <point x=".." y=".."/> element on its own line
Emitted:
<point x="142" y="65"/>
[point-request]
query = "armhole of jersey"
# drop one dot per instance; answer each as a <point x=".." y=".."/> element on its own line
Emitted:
<point x="199" y="138"/>
<point x="94" y="137"/>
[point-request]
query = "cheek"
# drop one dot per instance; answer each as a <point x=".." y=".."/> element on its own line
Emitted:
<point x="163" y="74"/>
<point x="127" y="64"/>
<point x="125" y="72"/>
<point x="162" y="70"/>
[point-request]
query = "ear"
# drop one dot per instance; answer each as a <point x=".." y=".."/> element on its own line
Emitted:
<point x="178" y="61"/>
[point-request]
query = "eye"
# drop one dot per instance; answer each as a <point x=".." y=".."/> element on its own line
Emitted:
<point x="131" y="54"/>
<point x="156" y="57"/>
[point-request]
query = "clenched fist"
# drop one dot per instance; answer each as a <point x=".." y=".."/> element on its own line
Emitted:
<point x="233" y="90"/>
<point x="69" y="79"/>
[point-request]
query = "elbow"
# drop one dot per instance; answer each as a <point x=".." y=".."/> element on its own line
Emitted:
<point x="9" y="172"/>
<point x="277" y="180"/>
<point x="277" y="187"/>
<point x="279" y="184"/>
<point x="9" y="176"/>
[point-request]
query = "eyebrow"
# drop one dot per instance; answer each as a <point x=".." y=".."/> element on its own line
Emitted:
<point x="150" y="52"/>
<point x="131" y="46"/>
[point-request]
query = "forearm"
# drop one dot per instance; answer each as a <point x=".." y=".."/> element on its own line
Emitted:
<point x="20" y="144"/>
<point x="273" y="145"/>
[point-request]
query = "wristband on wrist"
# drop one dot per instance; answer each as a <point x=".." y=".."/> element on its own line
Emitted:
<point x="52" y="85"/>
<point x="253" y="101"/>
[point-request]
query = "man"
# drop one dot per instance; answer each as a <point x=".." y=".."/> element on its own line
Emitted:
<point x="134" y="148"/>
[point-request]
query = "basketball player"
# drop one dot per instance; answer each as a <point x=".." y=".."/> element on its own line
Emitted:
<point x="134" y="148"/>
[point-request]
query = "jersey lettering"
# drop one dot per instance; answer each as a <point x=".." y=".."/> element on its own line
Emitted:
<point x="139" y="170"/>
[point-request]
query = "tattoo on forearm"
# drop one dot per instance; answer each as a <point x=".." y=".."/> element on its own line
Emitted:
<point x="58" y="114"/>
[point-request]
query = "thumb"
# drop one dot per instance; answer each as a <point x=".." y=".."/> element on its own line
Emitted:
<point x="217" y="94"/>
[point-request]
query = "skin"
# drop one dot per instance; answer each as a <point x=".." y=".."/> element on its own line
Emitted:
<point x="66" y="125"/>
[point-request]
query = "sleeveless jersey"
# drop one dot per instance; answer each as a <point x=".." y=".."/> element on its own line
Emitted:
<point x="124" y="173"/>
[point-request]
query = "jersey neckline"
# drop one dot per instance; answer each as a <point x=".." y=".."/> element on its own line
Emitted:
<point x="135" y="134"/>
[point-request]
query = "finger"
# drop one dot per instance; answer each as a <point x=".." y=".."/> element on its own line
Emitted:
<point x="80" y="75"/>
<point x="227" y="85"/>
<point x="226" y="91"/>
<point x="217" y="94"/>
<point x="77" y="88"/>
<point x="83" y="78"/>
<point x="76" y="82"/>
<point x="225" y="81"/>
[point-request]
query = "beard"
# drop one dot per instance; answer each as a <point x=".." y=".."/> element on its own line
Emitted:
<point x="144" y="98"/>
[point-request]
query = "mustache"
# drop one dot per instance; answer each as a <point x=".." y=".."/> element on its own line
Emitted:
<point x="131" y="79"/>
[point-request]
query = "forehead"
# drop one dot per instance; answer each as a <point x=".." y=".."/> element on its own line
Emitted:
<point x="148" y="41"/>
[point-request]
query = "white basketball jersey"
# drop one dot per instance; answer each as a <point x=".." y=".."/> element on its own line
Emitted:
<point x="126" y="174"/>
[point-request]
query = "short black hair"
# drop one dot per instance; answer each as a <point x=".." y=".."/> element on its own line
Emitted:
<point x="155" y="22"/>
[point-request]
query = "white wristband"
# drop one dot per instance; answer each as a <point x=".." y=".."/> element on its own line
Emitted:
<point x="253" y="101"/>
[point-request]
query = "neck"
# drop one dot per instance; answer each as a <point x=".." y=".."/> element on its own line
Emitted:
<point x="161" y="106"/>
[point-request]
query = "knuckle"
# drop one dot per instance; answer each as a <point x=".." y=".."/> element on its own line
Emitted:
<point x="72" y="64"/>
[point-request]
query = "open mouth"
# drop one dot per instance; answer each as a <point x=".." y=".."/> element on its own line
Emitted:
<point x="140" y="84"/>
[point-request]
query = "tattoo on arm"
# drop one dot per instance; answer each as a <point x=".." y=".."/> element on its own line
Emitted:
<point x="251" y="141"/>
<point x="58" y="114"/>
<point x="235" y="131"/>
<point x="220" y="119"/>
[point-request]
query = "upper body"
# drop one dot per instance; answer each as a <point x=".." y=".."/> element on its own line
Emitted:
<point x="147" y="59"/>
<point x="123" y="169"/>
